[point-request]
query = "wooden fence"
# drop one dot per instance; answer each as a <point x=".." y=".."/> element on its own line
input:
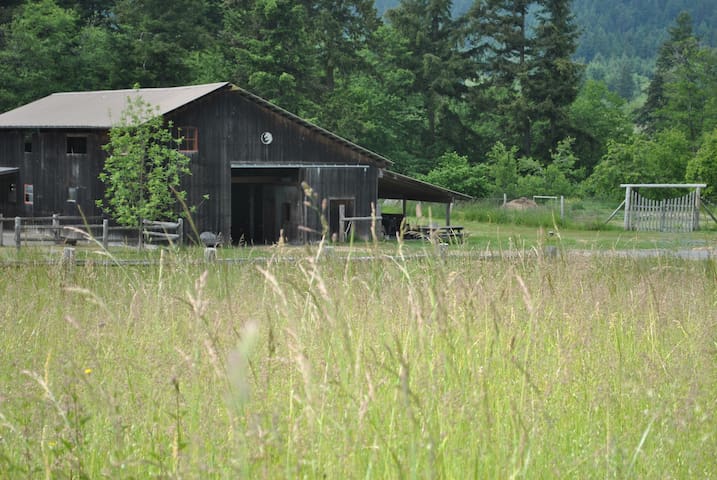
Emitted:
<point x="70" y="230"/>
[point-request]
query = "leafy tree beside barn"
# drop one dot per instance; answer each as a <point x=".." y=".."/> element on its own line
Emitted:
<point x="144" y="168"/>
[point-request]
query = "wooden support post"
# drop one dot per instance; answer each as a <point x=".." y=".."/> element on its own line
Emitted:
<point x="562" y="208"/>
<point x="2" y="229"/>
<point x="56" y="226"/>
<point x="105" y="233"/>
<point x="342" y="221"/>
<point x="180" y="232"/>
<point x="140" y="230"/>
<point x="448" y="214"/>
<point x="18" y="229"/>
<point x="375" y="215"/>
<point x="697" y="209"/>
<point x="68" y="256"/>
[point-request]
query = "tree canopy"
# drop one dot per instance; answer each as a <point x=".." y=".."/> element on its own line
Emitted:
<point x="434" y="85"/>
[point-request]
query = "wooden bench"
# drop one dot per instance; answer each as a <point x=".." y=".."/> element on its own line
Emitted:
<point x="170" y="232"/>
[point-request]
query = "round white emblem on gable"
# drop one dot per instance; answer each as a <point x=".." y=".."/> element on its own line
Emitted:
<point x="267" y="138"/>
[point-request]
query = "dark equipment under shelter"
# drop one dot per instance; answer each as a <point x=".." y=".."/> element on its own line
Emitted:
<point x="259" y="172"/>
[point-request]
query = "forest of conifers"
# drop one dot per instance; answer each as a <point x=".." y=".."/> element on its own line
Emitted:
<point x="551" y="97"/>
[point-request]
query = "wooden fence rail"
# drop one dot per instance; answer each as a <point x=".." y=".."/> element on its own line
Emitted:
<point x="70" y="230"/>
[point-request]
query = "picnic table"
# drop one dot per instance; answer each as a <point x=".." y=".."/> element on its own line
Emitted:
<point x="451" y="233"/>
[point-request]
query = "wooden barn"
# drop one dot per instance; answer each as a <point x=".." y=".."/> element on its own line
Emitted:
<point x="250" y="162"/>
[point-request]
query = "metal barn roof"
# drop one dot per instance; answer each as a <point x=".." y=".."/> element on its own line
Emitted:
<point x="99" y="109"/>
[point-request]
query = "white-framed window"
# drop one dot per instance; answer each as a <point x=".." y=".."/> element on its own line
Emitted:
<point x="29" y="194"/>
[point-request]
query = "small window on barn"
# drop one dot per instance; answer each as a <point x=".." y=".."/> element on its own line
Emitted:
<point x="76" y="145"/>
<point x="189" y="137"/>
<point x="27" y="142"/>
<point x="29" y="194"/>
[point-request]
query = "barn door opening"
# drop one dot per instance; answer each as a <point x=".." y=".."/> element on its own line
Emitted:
<point x="8" y="192"/>
<point x="334" y="204"/>
<point x="265" y="206"/>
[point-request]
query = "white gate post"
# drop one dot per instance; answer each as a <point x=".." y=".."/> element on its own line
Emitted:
<point x="342" y="231"/>
<point x="628" y="191"/>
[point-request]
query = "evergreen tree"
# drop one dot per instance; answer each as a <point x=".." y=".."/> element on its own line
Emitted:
<point x="439" y="68"/>
<point x="156" y="41"/>
<point x="597" y="116"/>
<point x="681" y="36"/>
<point x="271" y="47"/>
<point x="40" y="53"/>
<point x="342" y="32"/>
<point x="690" y="93"/>
<point x="526" y="74"/>
<point x="379" y="108"/>
<point x="498" y="37"/>
<point x="554" y="77"/>
<point x="341" y="29"/>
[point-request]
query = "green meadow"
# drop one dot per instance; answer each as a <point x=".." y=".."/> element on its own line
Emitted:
<point x="317" y="363"/>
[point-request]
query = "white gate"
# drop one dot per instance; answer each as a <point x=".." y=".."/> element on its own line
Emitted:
<point x="679" y="214"/>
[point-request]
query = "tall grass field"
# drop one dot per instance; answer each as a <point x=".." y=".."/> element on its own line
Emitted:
<point x="308" y="366"/>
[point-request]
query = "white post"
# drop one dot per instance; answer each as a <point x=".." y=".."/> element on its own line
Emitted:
<point x="56" y="226"/>
<point x="448" y="214"/>
<point x="18" y="228"/>
<point x="628" y="191"/>
<point x="342" y="230"/>
<point x="105" y="233"/>
<point x="562" y="208"/>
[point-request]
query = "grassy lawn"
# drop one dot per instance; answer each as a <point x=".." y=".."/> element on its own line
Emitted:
<point x="575" y="367"/>
<point x="488" y="228"/>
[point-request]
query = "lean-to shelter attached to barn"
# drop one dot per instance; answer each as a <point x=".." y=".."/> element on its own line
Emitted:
<point x="249" y="159"/>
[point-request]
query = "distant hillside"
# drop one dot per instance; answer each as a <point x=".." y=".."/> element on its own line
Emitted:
<point x="634" y="28"/>
<point x="637" y="28"/>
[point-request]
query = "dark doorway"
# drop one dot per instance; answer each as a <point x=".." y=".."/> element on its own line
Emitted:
<point x="265" y="205"/>
<point x="8" y="194"/>
<point x="334" y="204"/>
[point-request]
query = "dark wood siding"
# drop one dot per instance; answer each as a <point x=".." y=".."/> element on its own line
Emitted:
<point x="52" y="171"/>
<point x="342" y="183"/>
<point x="230" y="128"/>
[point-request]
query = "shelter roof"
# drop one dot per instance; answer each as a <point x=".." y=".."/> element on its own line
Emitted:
<point x="392" y="185"/>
